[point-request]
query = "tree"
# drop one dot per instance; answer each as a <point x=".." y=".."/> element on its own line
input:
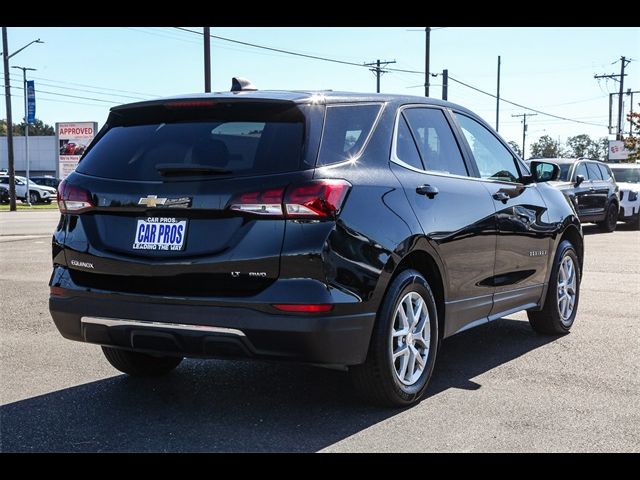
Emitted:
<point x="600" y="149"/>
<point x="546" y="147"/>
<point x="632" y="142"/>
<point x="580" y="146"/>
<point x="38" y="128"/>
<point x="515" y="147"/>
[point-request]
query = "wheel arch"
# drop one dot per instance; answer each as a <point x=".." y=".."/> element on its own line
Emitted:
<point x="572" y="235"/>
<point x="425" y="263"/>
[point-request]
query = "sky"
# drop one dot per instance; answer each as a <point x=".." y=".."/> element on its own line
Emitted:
<point x="550" y="69"/>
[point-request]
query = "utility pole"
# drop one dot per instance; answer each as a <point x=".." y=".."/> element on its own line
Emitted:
<point x="26" y="126"/>
<point x="623" y="63"/>
<point x="207" y="59"/>
<point x="524" y="129"/>
<point x="7" y="97"/>
<point x="498" y="97"/>
<point x="445" y="84"/>
<point x="378" y="70"/>
<point x="630" y="93"/>
<point x="427" y="53"/>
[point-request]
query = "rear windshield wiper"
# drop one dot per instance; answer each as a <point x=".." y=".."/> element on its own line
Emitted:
<point x="167" y="169"/>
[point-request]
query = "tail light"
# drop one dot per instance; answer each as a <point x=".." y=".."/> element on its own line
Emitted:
<point x="72" y="199"/>
<point x="266" y="202"/>
<point x="318" y="199"/>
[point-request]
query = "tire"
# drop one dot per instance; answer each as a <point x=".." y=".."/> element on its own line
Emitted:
<point x="139" y="364"/>
<point x="550" y="320"/>
<point x="34" y="197"/>
<point x="378" y="379"/>
<point x="611" y="220"/>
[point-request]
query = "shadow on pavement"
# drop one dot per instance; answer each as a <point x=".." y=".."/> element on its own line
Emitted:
<point x="591" y="228"/>
<point x="237" y="406"/>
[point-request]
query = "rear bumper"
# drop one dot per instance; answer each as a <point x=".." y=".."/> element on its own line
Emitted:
<point x="211" y="331"/>
<point x="629" y="211"/>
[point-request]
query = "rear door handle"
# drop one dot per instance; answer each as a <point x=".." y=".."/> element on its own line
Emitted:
<point x="501" y="197"/>
<point x="427" y="190"/>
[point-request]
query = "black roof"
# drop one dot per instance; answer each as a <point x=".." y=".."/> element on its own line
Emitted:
<point x="300" y="97"/>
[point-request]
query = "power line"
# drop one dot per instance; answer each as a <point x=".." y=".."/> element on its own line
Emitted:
<point x="87" y="85"/>
<point x="524" y="106"/>
<point x="62" y="101"/>
<point x="89" y="91"/>
<point x="111" y="102"/>
<point x="289" y="52"/>
<point x="343" y="62"/>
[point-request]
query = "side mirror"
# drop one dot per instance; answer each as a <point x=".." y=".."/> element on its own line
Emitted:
<point x="579" y="180"/>
<point x="544" y="171"/>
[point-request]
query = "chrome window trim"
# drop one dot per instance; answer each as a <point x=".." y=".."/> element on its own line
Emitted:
<point x="394" y="145"/>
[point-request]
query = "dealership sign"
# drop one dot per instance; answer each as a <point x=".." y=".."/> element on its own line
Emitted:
<point x="73" y="139"/>
<point x="617" y="150"/>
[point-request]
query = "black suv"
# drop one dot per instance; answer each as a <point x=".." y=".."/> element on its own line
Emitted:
<point x="340" y="229"/>
<point x="591" y="187"/>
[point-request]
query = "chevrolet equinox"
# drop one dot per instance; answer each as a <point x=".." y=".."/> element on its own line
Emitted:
<point x="348" y="230"/>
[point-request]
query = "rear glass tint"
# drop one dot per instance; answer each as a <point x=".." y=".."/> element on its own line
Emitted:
<point x="346" y="129"/>
<point x="239" y="140"/>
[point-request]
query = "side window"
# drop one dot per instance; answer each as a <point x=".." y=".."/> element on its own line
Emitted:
<point x="604" y="170"/>
<point x="406" y="149"/>
<point x="594" y="171"/>
<point x="581" y="170"/>
<point x="346" y="128"/>
<point x="436" y="143"/>
<point x="494" y="160"/>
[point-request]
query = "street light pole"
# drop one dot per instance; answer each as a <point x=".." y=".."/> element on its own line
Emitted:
<point x="26" y="127"/>
<point x="7" y="96"/>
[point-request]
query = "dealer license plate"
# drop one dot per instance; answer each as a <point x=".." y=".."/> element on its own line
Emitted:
<point x="160" y="233"/>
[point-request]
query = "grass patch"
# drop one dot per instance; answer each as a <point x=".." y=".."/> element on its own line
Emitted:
<point x="23" y="206"/>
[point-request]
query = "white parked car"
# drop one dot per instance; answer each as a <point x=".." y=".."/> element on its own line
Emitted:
<point x="37" y="193"/>
<point x="627" y="177"/>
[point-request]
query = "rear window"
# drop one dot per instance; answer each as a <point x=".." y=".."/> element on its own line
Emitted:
<point x="346" y="129"/>
<point x="630" y="175"/>
<point x="237" y="140"/>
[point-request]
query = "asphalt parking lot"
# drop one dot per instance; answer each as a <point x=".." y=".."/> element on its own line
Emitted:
<point x="499" y="387"/>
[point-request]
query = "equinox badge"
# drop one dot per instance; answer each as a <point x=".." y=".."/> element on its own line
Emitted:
<point x="154" y="201"/>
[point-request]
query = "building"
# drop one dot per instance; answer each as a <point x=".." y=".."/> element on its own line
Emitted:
<point x="43" y="155"/>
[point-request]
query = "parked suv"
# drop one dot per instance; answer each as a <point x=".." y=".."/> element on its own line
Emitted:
<point x="37" y="193"/>
<point x="340" y="229"/>
<point x="46" y="181"/>
<point x="627" y="177"/>
<point x="593" y="190"/>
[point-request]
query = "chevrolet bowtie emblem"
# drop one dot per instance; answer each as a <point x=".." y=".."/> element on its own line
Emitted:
<point x="152" y="201"/>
